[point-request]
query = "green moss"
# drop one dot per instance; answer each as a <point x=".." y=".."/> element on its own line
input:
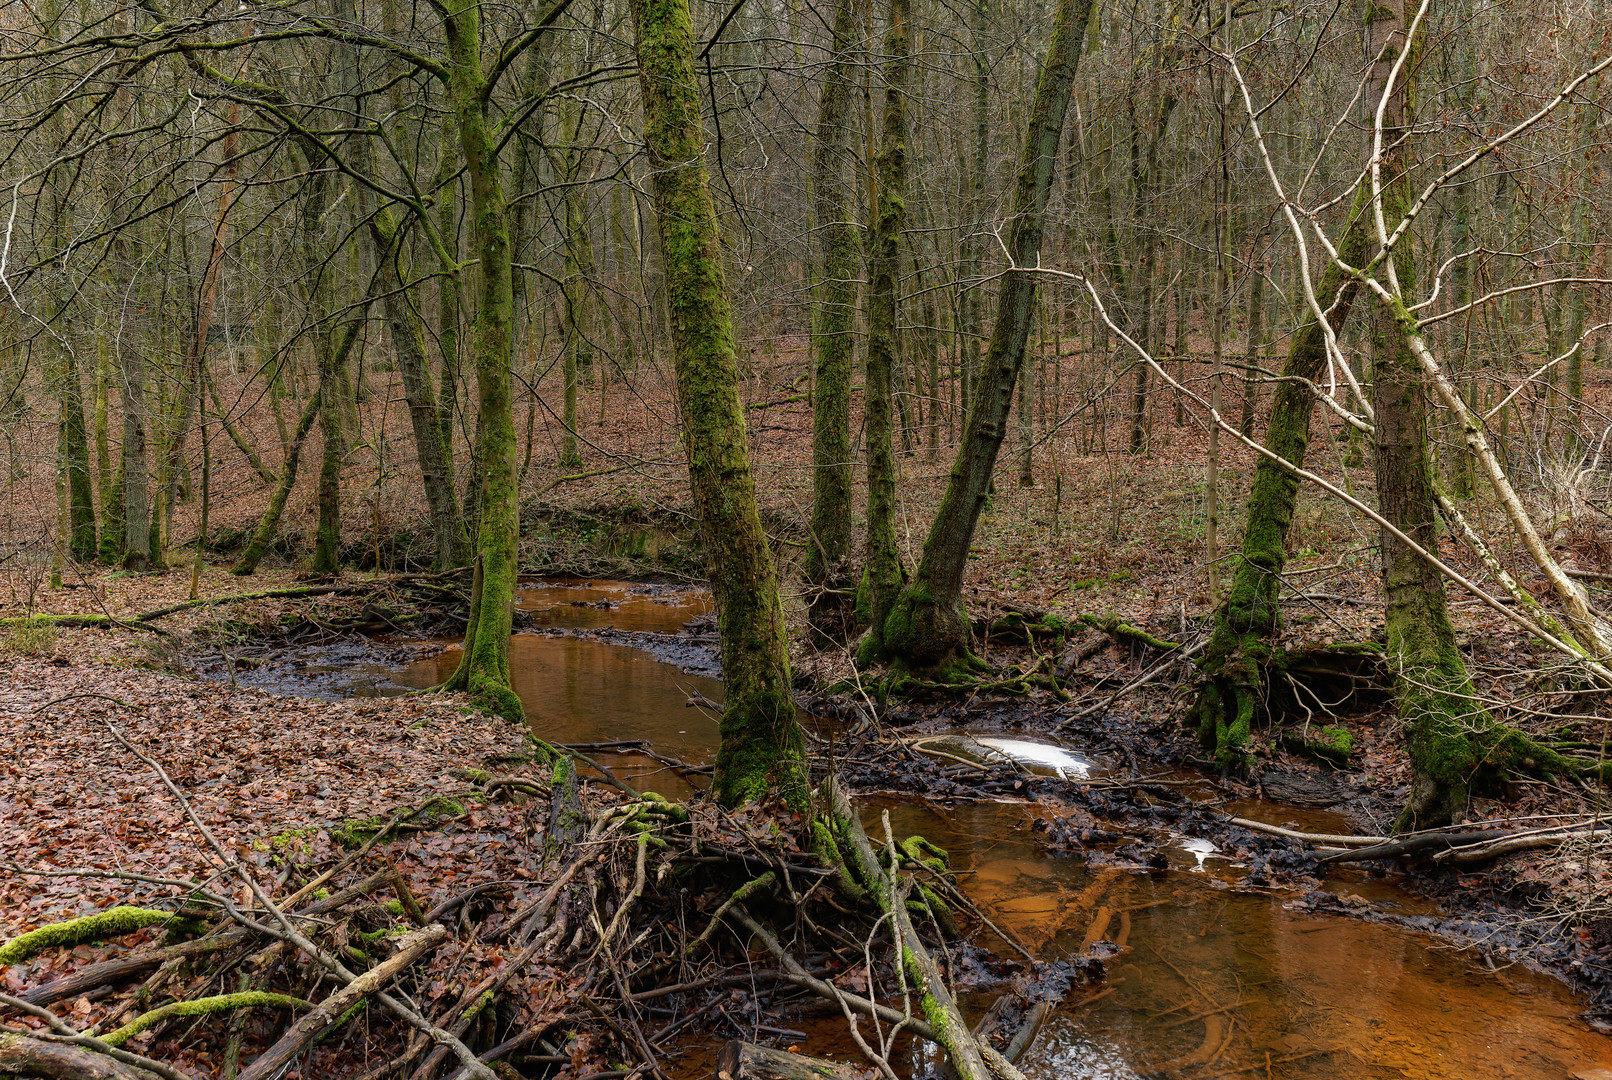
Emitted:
<point x="113" y="922"/>
<point x="1331" y="744"/>
<point x="356" y="832"/>
<point x="291" y="839"/>
<point x="250" y="999"/>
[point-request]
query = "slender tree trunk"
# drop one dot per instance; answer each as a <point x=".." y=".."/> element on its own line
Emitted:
<point x="136" y="497"/>
<point x="833" y="338"/>
<point x="264" y="536"/>
<point x="248" y="451"/>
<point x="74" y="453"/>
<point x="761" y="748"/>
<point x="972" y="308"/>
<point x="1255" y="332"/>
<point x="408" y="341"/>
<point x="578" y="318"/>
<point x="928" y="628"/>
<point x="109" y="479"/>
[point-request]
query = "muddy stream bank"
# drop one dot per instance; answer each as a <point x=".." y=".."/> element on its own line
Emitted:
<point x="1207" y="975"/>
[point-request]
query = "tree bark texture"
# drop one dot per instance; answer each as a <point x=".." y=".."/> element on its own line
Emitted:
<point x="882" y="571"/>
<point x="484" y="668"/>
<point x="761" y="749"/>
<point x="408" y="342"/>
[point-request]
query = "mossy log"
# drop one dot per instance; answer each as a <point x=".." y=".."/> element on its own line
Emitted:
<point x="972" y="1059"/>
<point x="250" y="999"/>
<point x="1127" y="634"/>
<point x="114" y="922"/>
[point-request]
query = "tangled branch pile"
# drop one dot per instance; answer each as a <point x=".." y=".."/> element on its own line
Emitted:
<point x="529" y="925"/>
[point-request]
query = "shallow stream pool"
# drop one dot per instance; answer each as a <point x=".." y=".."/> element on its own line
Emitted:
<point x="1214" y="980"/>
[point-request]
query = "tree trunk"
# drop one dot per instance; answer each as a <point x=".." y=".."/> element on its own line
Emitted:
<point x="833" y="340"/>
<point x="882" y="571"/>
<point x="74" y="452"/>
<point x="1250" y="613"/>
<point x="259" y="544"/>
<point x="1433" y="693"/>
<point x="408" y="341"/>
<point x="578" y="318"/>
<point x="1255" y="331"/>
<point x="928" y="628"/>
<point x="484" y="668"/>
<point x="761" y="748"/>
<point x="136" y="497"/>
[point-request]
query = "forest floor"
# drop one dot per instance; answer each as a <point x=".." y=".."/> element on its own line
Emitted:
<point x="290" y="786"/>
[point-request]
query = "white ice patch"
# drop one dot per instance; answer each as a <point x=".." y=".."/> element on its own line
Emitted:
<point x="1200" y="848"/>
<point x="1065" y="764"/>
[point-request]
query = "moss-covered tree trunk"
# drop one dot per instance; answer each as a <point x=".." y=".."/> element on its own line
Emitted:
<point x="74" y="454"/>
<point x="264" y="536"/>
<point x="132" y="466"/>
<point x="483" y="670"/>
<point x="833" y="337"/>
<point x="1449" y="733"/>
<point x="927" y="628"/>
<point x="578" y="317"/>
<point x="327" y="537"/>
<point x="881" y="581"/>
<point x="761" y="748"/>
<point x="1250" y="613"/>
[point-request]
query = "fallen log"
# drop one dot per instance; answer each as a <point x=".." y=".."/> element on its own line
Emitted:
<point x="747" y="1061"/>
<point x="316" y="1021"/>
<point x="103" y="924"/>
<point x="24" y="1056"/>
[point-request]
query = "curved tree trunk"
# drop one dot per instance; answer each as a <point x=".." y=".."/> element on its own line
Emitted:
<point x="255" y="548"/>
<point x="1249" y="614"/>
<point x="761" y="747"/>
<point x="927" y="627"/>
<point x="833" y="340"/>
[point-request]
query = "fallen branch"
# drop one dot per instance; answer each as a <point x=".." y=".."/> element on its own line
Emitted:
<point x="251" y="999"/>
<point x="1335" y="839"/>
<point x="26" y="1055"/>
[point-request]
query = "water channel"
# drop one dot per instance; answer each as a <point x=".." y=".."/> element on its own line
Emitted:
<point x="1213" y="981"/>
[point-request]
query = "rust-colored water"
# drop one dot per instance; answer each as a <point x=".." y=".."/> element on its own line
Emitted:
<point x="578" y="604"/>
<point x="1213" y="982"/>
<point x="1240" y="985"/>
<point x="578" y="690"/>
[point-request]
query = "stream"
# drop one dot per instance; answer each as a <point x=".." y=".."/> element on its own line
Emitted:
<point x="1213" y="981"/>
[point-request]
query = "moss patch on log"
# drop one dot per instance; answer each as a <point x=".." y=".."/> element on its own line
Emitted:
<point x="114" y="922"/>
